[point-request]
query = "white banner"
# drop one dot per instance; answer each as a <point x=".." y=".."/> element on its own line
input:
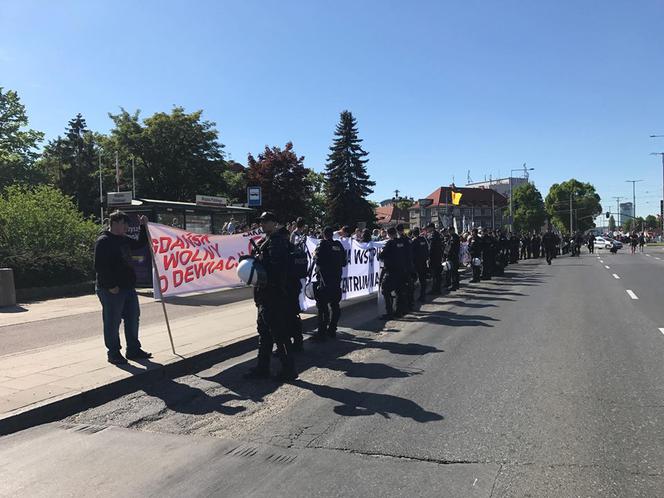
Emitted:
<point x="190" y="262"/>
<point x="361" y="275"/>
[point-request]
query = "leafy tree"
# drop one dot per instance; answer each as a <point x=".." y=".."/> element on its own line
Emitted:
<point x="651" y="222"/>
<point x="404" y="203"/>
<point x="176" y="155"/>
<point x="612" y="223"/>
<point x="348" y="183"/>
<point x="283" y="180"/>
<point x="44" y="238"/>
<point x="585" y="204"/>
<point x="72" y="165"/>
<point x="17" y="145"/>
<point x="317" y="202"/>
<point x="528" y="208"/>
<point x="235" y="178"/>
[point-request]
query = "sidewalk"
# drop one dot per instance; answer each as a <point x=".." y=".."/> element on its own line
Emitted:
<point x="47" y="383"/>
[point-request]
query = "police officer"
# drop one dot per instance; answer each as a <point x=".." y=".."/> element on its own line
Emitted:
<point x="273" y="301"/>
<point x="488" y="255"/>
<point x="420" y="249"/>
<point x="475" y="251"/>
<point x="329" y="260"/>
<point x="549" y="244"/>
<point x="452" y="248"/>
<point x="408" y="283"/>
<point x="525" y="245"/>
<point x="514" y="248"/>
<point x="393" y="274"/>
<point x="435" y="258"/>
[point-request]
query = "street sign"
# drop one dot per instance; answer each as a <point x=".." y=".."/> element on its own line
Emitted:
<point x="116" y="199"/>
<point x="254" y="196"/>
<point x="211" y="201"/>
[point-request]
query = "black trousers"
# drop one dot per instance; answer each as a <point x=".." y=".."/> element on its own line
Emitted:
<point x="394" y="284"/>
<point x="436" y="278"/>
<point x="327" y="303"/>
<point x="453" y="274"/>
<point x="271" y="322"/>
<point x="422" y="278"/>
<point x="549" y="252"/>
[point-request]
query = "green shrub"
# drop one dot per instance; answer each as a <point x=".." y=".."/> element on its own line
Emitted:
<point x="44" y="238"/>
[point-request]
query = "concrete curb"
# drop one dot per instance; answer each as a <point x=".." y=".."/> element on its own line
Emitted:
<point x="59" y="408"/>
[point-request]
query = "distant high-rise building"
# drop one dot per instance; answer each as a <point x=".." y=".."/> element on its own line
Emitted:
<point x="626" y="212"/>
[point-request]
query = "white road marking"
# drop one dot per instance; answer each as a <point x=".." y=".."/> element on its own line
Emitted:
<point x="657" y="258"/>
<point x="607" y="267"/>
<point x="661" y="329"/>
<point x="631" y="294"/>
<point x="616" y="276"/>
<point x="648" y="255"/>
<point x="475" y="482"/>
<point x="601" y="261"/>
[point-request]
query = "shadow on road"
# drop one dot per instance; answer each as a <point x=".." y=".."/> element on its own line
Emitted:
<point x="13" y="309"/>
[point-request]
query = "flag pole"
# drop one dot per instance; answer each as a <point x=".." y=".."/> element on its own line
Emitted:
<point x="163" y="304"/>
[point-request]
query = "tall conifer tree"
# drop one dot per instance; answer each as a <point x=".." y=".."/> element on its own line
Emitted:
<point x="348" y="183"/>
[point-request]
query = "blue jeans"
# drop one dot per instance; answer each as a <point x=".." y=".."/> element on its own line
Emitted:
<point x="115" y="308"/>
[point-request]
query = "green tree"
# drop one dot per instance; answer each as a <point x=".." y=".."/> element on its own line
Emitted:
<point x="235" y="178"/>
<point x="612" y="223"/>
<point x="72" y="165"/>
<point x="585" y="204"/>
<point x="528" y="208"/>
<point x="317" y="203"/>
<point x="17" y="145"/>
<point x="176" y="155"/>
<point x="348" y="183"/>
<point x="44" y="238"/>
<point x="283" y="180"/>
<point x="651" y="222"/>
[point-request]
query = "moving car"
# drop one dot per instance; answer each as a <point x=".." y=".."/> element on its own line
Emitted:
<point x="607" y="243"/>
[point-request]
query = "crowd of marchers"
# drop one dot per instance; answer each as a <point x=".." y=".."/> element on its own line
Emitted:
<point x="430" y="259"/>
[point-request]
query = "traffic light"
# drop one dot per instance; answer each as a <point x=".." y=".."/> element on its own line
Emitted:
<point x="608" y="215"/>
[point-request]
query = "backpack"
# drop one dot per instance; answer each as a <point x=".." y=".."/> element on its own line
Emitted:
<point x="298" y="261"/>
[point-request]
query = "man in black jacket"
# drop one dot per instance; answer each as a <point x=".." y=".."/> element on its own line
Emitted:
<point x="435" y="258"/>
<point x="420" y="248"/>
<point x="273" y="302"/>
<point x="116" y="287"/>
<point x="451" y="253"/>
<point x="330" y="258"/>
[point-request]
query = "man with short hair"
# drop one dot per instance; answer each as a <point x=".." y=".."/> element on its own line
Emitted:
<point x="273" y="302"/>
<point x="116" y="287"/>
<point x="330" y="259"/>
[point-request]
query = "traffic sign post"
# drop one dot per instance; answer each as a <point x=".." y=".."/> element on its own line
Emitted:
<point x="254" y="197"/>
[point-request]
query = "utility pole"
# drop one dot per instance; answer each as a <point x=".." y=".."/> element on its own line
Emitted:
<point x="633" y="182"/>
<point x="662" y="155"/>
<point x="101" y="194"/>
<point x="618" y="210"/>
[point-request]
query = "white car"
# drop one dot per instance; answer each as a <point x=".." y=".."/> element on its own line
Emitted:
<point x="607" y="243"/>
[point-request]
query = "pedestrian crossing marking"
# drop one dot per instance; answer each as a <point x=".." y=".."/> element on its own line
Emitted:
<point x="607" y="267"/>
<point x="661" y="329"/>
<point x="631" y="294"/>
<point x="616" y="276"/>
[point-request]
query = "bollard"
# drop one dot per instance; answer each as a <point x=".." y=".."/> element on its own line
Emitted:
<point x="7" y="290"/>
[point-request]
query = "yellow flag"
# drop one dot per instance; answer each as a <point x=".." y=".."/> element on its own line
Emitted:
<point x="456" y="197"/>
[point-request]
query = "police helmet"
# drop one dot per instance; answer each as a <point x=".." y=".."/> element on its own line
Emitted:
<point x="251" y="272"/>
<point x="476" y="262"/>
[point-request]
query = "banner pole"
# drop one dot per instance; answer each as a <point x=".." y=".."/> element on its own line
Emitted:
<point x="163" y="304"/>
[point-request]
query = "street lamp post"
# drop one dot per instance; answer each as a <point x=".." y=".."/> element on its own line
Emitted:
<point x="525" y="170"/>
<point x="660" y="154"/>
<point x="633" y="182"/>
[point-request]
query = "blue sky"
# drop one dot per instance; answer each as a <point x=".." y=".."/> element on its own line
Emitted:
<point x="572" y="88"/>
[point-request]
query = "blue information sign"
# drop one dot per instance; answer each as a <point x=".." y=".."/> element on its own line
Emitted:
<point x="254" y="196"/>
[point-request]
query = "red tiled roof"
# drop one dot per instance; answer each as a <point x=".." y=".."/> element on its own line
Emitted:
<point x="470" y="197"/>
<point x="387" y="214"/>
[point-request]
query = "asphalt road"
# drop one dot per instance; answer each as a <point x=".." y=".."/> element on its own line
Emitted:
<point x="549" y="382"/>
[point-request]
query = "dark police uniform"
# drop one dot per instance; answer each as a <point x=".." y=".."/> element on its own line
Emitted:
<point x="475" y="251"/>
<point x="273" y="302"/>
<point x="420" y="250"/>
<point x="452" y="248"/>
<point x="408" y="283"/>
<point x="488" y="256"/>
<point x="549" y="244"/>
<point x="436" y="261"/>
<point x="330" y="258"/>
<point x="394" y="274"/>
